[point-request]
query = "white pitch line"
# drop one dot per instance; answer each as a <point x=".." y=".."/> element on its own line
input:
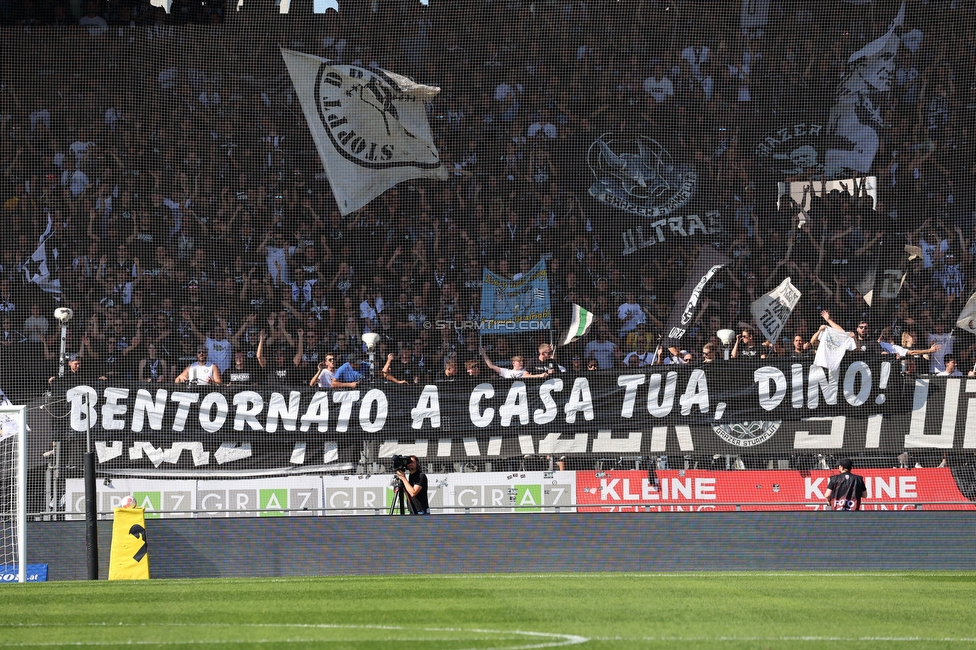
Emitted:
<point x="783" y="639"/>
<point x="555" y="640"/>
<point x="659" y="575"/>
<point x="603" y="575"/>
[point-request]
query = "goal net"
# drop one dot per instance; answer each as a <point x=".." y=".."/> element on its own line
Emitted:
<point x="13" y="491"/>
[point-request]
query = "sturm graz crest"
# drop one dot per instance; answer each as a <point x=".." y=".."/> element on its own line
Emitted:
<point x="638" y="175"/>
<point x="747" y="434"/>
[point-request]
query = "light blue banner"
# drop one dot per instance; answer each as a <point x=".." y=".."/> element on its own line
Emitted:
<point x="514" y="305"/>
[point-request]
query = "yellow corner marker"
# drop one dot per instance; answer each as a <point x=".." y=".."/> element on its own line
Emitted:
<point x="130" y="548"/>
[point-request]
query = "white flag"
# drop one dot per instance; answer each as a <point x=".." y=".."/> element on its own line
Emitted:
<point x="38" y="266"/>
<point x="753" y="17"/>
<point x="369" y="125"/>
<point x="773" y="309"/>
<point x="967" y="317"/>
<point x="581" y="322"/>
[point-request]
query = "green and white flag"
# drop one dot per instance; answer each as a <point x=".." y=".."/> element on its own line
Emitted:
<point x="581" y="322"/>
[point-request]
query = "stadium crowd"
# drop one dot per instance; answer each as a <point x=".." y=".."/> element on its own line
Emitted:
<point x="188" y="207"/>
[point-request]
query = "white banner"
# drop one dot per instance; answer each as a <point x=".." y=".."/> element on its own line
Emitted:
<point x="802" y="192"/>
<point x="369" y="125"/>
<point x="314" y="495"/>
<point x="753" y="17"/>
<point x="773" y="309"/>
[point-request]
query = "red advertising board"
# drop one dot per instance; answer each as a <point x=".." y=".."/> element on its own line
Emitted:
<point x="696" y="490"/>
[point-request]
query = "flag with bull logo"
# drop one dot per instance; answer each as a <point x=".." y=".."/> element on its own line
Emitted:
<point x="369" y="125"/>
<point x="642" y="190"/>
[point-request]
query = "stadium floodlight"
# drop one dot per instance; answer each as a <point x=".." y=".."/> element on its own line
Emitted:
<point x="725" y="336"/>
<point x="63" y="315"/>
<point x="371" y="339"/>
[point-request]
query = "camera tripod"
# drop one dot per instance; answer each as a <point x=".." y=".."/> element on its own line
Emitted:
<point x="397" y="498"/>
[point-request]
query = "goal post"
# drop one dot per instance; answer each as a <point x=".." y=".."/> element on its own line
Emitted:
<point x="13" y="465"/>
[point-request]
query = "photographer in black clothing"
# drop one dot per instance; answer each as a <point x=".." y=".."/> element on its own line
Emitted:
<point x="845" y="490"/>
<point x="74" y="375"/>
<point x="415" y="487"/>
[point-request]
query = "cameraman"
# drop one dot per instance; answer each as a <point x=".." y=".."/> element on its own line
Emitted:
<point x="415" y="487"/>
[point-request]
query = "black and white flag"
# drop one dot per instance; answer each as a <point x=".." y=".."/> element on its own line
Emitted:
<point x="857" y="116"/>
<point x="885" y="273"/>
<point x="686" y="306"/>
<point x="967" y="317"/>
<point x="369" y="125"/>
<point x="42" y="264"/>
<point x="773" y="309"/>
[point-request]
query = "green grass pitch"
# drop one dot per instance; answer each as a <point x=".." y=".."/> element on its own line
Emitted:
<point x="609" y="610"/>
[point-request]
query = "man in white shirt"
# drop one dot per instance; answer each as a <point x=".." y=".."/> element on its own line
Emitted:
<point x="35" y="325"/>
<point x="938" y="336"/>
<point x="602" y="349"/>
<point x="517" y="371"/>
<point x="278" y="254"/>
<point x="200" y="371"/>
<point x="834" y="342"/>
<point x="658" y="85"/>
<point x="630" y="314"/>
<point x="220" y="350"/>
<point x="325" y="377"/>
<point x="96" y="24"/>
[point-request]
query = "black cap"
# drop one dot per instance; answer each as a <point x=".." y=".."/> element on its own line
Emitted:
<point x="846" y="463"/>
<point x="202" y="348"/>
<point x="72" y="357"/>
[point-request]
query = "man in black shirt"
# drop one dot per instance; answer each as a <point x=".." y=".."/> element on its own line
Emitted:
<point x="745" y="346"/>
<point x="845" y="490"/>
<point x="415" y="487"/>
<point x="242" y="371"/>
<point x="281" y="371"/>
<point x="404" y="368"/>
<point x="544" y="363"/>
<point x="866" y="343"/>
